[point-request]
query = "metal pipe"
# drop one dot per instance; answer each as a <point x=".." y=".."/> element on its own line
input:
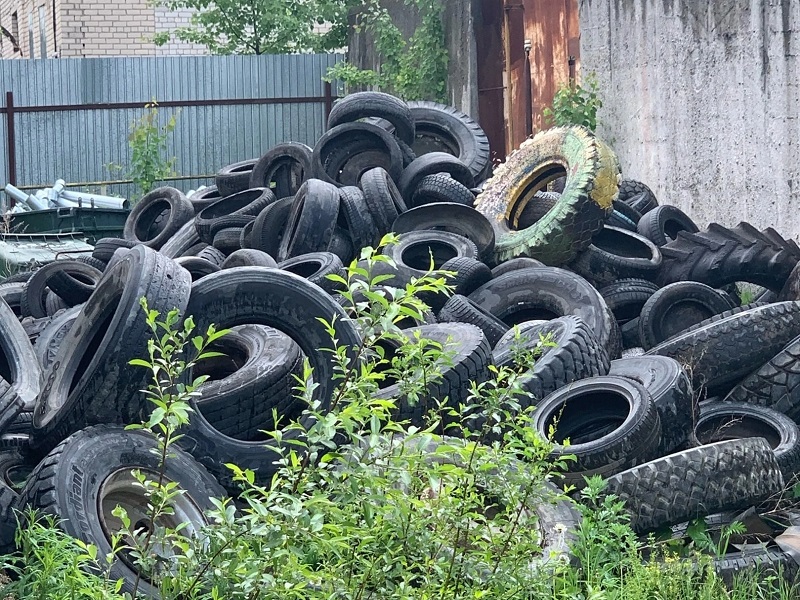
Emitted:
<point x="95" y="200"/>
<point x="16" y="193"/>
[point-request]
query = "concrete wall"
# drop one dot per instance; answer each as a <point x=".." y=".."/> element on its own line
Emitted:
<point x="702" y="102"/>
<point x="92" y="28"/>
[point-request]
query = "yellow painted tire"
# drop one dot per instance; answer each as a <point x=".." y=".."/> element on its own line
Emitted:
<point x="592" y="183"/>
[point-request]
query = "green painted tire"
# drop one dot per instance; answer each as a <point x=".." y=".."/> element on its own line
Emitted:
<point x="592" y="182"/>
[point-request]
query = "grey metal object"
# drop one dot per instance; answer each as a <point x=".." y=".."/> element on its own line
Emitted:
<point x="57" y="196"/>
<point x="79" y="144"/>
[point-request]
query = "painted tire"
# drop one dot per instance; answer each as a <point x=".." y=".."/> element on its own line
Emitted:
<point x="591" y="185"/>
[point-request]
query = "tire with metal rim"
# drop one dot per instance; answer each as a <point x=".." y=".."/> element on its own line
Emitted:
<point x="591" y="186"/>
<point x="88" y="475"/>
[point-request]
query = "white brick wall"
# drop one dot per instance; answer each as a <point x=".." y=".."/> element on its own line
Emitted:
<point x="87" y="28"/>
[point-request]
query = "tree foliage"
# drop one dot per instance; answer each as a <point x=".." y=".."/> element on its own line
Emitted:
<point x="261" y="26"/>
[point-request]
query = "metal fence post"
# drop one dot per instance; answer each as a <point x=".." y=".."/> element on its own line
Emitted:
<point x="328" y="101"/>
<point x="12" y="142"/>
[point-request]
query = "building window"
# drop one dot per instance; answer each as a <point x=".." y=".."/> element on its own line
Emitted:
<point x="15" y="30"/>
<point x="43" y="32"/>
<point x="30" y="35"/>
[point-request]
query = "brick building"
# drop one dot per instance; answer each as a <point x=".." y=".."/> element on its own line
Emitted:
<point x="85" y="28"/>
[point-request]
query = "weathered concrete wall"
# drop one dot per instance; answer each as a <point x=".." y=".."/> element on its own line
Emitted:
<point x="702" y="100"/>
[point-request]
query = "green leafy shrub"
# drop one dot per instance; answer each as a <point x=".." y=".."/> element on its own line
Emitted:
<point x="575" y="105"/>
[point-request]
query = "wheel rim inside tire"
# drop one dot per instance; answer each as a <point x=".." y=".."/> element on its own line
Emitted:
<point x="122" y="489"/>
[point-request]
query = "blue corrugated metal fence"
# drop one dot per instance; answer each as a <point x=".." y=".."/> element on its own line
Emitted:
<point x="239" y="107"/>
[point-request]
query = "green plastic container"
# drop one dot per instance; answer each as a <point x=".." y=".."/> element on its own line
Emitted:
<point x="22" y="252"/>
<point x="93" y="223"/>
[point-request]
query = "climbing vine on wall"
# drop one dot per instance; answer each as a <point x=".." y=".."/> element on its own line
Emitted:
<point x="414" y="68"/>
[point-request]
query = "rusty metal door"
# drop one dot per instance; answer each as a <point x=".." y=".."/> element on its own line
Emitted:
<point x="552" y="27"/>
<point x="489" y="25"/>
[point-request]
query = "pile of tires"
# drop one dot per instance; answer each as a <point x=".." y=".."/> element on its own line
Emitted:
<point x="663" y="383"/>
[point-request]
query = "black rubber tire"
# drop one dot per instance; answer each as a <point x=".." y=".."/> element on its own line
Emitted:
<point x="662" y="224"/>
<point x="139" y="224"/>
<point x="611" y="423"/>
<point x="354" y="215"/>
<point x="211" y="254"/>
<point x="342" y="245"/>
<point x="104" y="248"/>
<point x="626" y="297"/>
<point x="441" y="187"/>
<point x="248" y="202"/>
<point x="53" y="304"/>
<point x="35" y="290"/>
<point x="181" y="242"/>
<point x="446" y="129"/>
<point x="631" y="214"/>
<point x="720" y="353"/>
<point x="630" y="336"/>
<point x="671" y="392"/>
<point x="18" y="364"/>
<point x="431" y="164"/>
<point x="69" y="482"/>
<point x="547" y="293"/>
<point x="469" y="274"/>
<point x="637" y="195"/>
<point x="16" y="465"/>
<point x="21" y="277"/>
<point x="515" y="264"/>
<point x="235" y="178"/>
<point x="316" y="266"/>
<point x="617" y="253"/>
<point x="343" y="154"/>
<point x="382" y="197"/>
<point x="576" y="355"/>
<point x="416" y="251"/>
<point x="363" y="105"/>
<point x="283" y="169"/>
<point x="86" y="259"/>
<point x="775" y="384"/>
<point x="693" y="483"/>
<point x="245" y="236"/>
<point x="460" y="309"/>
<point x="676" y="307"/>
<point x="197" y="267"/>
<point x="720" y="421"/>
<point x="249" y="258"/>
<point x="453" y="218"/>
<point x="90" y="381"/>
<point x="49" y="341"/>
<point x="468" y="358"/>
<point x="719" y="256"/>
<point x="229" y="222"/>
<point x="270" y="226"/>
<point x="568" y="227"/>
<point x="276" y="298"/>
<point x="256" y="375"/>
<point x="227" y="241"/>
<point x="617" y="219"/>
<point x="541" y="204"/>
<point x="310" y="225"/>
<point x="75" y="282"/>
<point x="204" y="198"/>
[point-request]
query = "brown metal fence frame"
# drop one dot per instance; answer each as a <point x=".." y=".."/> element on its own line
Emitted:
<point x="10" y="109"/>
